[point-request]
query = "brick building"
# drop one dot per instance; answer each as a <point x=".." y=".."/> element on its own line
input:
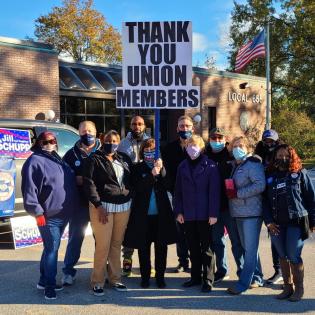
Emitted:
<point x="34" y="80"/>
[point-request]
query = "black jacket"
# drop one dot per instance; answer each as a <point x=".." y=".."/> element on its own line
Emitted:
<point x="75" y="158"/>
<point x="143" y="183"/>
<point x="100" y="182"/>
<point x="223" y="160"/>
<point x="172" y="155"/>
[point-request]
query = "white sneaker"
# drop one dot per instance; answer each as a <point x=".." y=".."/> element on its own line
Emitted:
<point x="67" y="280"/>
<point x="119" y="286"/>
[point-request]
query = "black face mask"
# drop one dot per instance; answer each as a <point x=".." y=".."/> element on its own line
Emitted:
<point x="137" y="135"/>
<point x="109" y="148"/>
<point x="270" y="147"/>
<point x="282" y="163"/>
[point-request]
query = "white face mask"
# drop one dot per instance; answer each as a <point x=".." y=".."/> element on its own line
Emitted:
<point x="49" y="147"/>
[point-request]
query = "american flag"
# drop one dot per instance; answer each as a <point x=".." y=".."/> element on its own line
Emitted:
<point x="253" y="49"/>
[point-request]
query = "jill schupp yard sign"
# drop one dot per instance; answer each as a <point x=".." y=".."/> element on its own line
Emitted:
<point x="157" y="70"/>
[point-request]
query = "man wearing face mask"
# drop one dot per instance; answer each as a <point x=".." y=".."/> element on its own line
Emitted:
<point x="50" y="195"/>
<point x="173" y="154"/>
<point x="265" y="149"/>
<point x="217" y="151"/>
<point x="131" y="146"/>
<point x="75" y="158"/>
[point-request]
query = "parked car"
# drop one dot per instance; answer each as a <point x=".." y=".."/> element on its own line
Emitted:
<point x="66" y="137"/>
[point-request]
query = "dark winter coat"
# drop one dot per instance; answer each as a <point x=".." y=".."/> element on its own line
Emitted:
<point x="75" y="158"/>
<point x="223" y="159"/>
<point x="197" y="190"/>
<point x="172" y="155"/>
<point x="48" y="186"/>
<point x="100" y="182"/>
<point x="143" y="183"/>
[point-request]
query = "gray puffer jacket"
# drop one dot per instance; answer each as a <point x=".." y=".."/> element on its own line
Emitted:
<point x="249" y="179"/>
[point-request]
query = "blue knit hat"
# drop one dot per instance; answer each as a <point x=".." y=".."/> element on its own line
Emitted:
<point x="270" y="134"/>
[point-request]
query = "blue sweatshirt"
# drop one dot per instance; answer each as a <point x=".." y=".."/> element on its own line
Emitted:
<point x="48" y="186"/>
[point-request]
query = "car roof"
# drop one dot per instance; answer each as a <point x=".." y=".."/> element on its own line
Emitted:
<point x="16" y="123"/>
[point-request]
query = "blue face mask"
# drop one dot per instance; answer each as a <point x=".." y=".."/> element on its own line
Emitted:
<point x="109" y="148"/>
<point x="87" y="139"/>
<point x="217" y="146"/>
<point x="238" y="153"/>
<point x="148" y="158"/>
<point x="185" y="134"/>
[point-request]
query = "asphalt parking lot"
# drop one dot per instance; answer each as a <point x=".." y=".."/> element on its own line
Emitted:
<point x="19" y="275"/>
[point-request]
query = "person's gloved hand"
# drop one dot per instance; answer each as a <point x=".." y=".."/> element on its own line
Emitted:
<point x="40" y="220"/>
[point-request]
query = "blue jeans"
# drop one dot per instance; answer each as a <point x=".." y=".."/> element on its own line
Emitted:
<point x="249" y="232"/>
<point x="77" y="226"/>
<point x="51" y="234"/>
<point x="289" y="243"/>
<point x="219" y="243"/>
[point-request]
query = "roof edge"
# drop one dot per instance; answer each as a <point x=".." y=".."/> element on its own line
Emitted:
<point x="27" y="44"/>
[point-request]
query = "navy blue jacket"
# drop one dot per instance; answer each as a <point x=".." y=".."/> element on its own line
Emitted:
<point x="197" y="190"/>
<point x="48" y="186"/>
<point x="300" y="197"/>
<point x="75" y="158"/>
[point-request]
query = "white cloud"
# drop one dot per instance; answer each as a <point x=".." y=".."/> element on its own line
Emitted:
<point x="200" y="42"/>
<point x="224" y="33"/>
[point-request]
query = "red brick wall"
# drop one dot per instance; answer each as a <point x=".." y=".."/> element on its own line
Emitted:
<point x="215" y="91"/>
<point x="29" y="82"/>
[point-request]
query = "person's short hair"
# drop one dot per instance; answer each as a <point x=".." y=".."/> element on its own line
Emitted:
<point x="244" y="141"/>
<point x="88" y="122"/>
<point x="146" y="144"/>
<point x="110" y="134"/>
<point x="197" y="140"/>
<point x="136" y="116"/>
<point x="185" y="117"/>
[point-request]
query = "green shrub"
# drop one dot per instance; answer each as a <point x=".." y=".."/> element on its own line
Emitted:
<point x="297" y="130"/>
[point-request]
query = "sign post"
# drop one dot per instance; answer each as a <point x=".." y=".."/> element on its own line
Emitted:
<point x="157" y="68"/>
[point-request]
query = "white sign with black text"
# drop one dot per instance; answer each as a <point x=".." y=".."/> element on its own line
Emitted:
<point x="157" y="66"/>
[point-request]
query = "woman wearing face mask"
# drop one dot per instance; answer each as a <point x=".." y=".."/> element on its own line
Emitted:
<point x="245" y="202"/>
<point x="107" y="185"/>
<point x="151" y="219"/>
<point x="289" y="213"/>
<point x="196" y="206"/>
<point x="49" y="194"/>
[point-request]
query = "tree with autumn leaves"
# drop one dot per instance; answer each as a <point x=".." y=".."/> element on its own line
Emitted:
<point x="76" y="29"/>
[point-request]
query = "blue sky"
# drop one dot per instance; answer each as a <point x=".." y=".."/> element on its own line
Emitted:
<point x="210" y="19"/>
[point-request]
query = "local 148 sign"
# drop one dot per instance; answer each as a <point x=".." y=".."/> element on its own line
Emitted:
<point x="157" y="70"/>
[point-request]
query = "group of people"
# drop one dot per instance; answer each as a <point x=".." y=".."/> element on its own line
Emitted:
<point x="193" y="194"/>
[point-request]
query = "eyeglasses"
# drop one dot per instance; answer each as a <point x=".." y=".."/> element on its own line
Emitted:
<point x="51" y="141"/>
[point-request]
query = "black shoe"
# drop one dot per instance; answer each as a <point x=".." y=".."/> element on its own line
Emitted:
<point x="206" y="286"/>
<point x="220" y="277"/>
<point x="145" y="284"/>
<point x="191" y="283"/>
<point x="50" y="294"/>
<point x="160" y="283"/>
<point x="181" y="268"/>
<point x="276" y="278"/>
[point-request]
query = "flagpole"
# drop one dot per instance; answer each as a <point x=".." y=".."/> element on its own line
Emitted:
<point x="268" y="90"/>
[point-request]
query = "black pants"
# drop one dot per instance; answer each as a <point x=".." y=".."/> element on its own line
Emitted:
<point x="145" y="253"/>
<point x="275" y="258"/>
<point x="198" y="234"/>
<point x="181" y="246"/>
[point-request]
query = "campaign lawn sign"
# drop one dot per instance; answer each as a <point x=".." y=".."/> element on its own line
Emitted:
<point x="157" y="66"/>
<point x="7" y="186"/>
<point x="15" y="143"/>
